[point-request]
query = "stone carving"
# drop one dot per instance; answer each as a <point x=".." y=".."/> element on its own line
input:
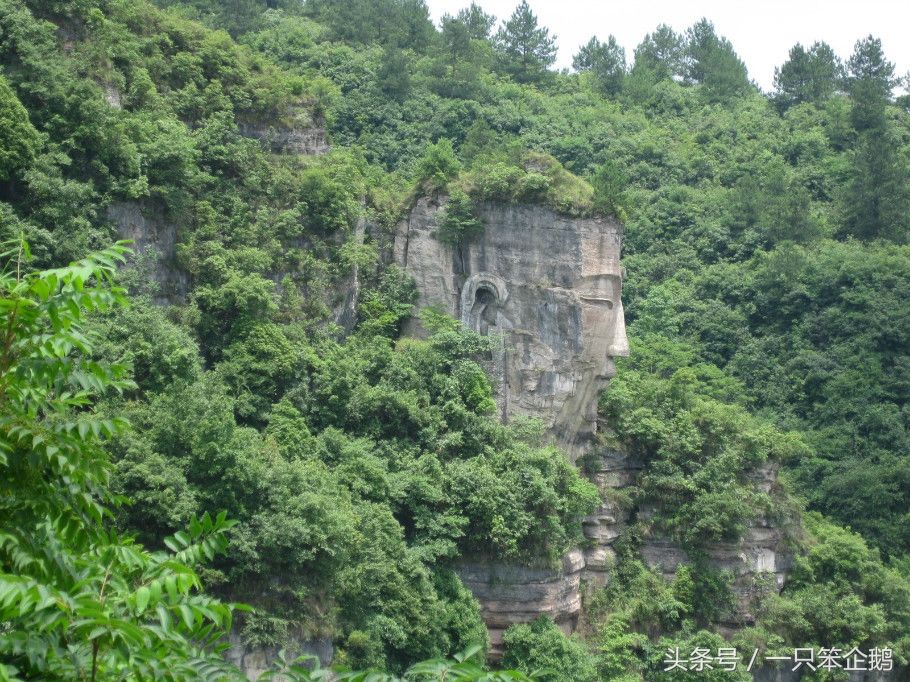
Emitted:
<point x="550" y="286"/>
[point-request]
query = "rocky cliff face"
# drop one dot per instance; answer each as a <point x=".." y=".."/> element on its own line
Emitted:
<point x="155" y="237"/>
<point x="255" y="660"/>
<point x="518" y="594"/>
<point x="155" y="242"/>
<point x="550" y="287"/>
<point x="299" y="132"/>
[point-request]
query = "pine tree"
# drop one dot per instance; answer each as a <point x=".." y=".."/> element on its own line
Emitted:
<point x="712" y="62"/>
<point x="526" y="49"/>
<point x="607" y="61"/>
<point x="876" y="199"/>
<point x="394" y="75"/>
<point x="478" y="23"/>
<point x="811" y="75"/>
<point x="870" y="79"/>
<point x="456" y="41"/>
<point x="661" y="55"/>
<point x="394" y="23"/>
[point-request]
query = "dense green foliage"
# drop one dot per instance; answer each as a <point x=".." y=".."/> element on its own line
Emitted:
<point x="767" y="300"/>
<point x="78" y="600"/>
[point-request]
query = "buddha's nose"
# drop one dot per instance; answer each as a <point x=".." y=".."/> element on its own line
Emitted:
<point x="619" y="344"/>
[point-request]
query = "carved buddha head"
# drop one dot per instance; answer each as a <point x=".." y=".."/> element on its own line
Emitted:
<point x="549" y="286"/>
<point x="553" y="290"/>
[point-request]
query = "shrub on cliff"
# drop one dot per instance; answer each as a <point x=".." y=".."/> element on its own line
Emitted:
<point x="529" y="178"/>
<point x="541" y="645"/>
<point x="19" y="140"/>
<point x="437" y="166"/>
<point x="458" y="222"/>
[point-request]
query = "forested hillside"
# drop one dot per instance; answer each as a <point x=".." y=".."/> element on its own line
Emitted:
<point x="767" y="299"/>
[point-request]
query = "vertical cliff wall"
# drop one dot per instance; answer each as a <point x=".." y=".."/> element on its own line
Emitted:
<point x="550" y="287"/>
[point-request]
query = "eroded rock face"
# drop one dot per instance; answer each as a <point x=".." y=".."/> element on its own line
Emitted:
<point x="758" y="562"/>
<point x="254" y="660"/>
<point x="155" y="242"/>
<point x="517" y="594"/>
<point x="550" y="286"/>
<point x="299" y="133"/>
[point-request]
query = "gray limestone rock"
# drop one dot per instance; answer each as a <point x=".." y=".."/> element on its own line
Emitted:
<point x="511" y="594"/>
<point x="298" y="133"/>
<point x="254" y="661"/>
<point x="155" y="242"/>
<point x="550" y="286"/>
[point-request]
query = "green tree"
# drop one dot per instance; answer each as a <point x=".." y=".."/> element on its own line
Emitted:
<point x="19" y="141"/>
<point x="606" y="61"/>
<point x="526" y="49"/>
<point x="456" y="40"/>
<point x="610" y="185"/>
<point x="711" y="62"/>
<point x="77" y="600"/>
<point x="438" y="165"/>
<point x="541" y="645"/>
<point x="458" y="222"/>
<point x="812" y="75"/>
<point x="394" y="23"/>
<point x="661" y="55"/>
<point x="394" y="75"/>
<point x="870" y="79"/>
<point x="478" y="23"/>
<point x="876" y="199"/>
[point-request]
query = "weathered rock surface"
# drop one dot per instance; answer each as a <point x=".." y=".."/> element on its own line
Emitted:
<point x="550" y="286"/>
<point x="254" y="661"/>
<point x="155" y="242"/>
<point x="298" y="133"/>
<point x="758" y="562"/>
<point x="517" y="594"/>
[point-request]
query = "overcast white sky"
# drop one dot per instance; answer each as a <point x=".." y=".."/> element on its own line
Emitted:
<point x="762" y="31"/>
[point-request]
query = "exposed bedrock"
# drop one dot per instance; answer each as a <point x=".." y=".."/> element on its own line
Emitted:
<point x="550" y="287"/>
<point x="518" y="594"/>
<point x="298" y="133"/>
<point x="255" y="660"/>
<point x="155" y="240"/>
<point x="155" y="243"/>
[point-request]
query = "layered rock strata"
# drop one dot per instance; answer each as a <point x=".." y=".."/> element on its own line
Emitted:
<point x="550" y="288"/>
<point x="518" y="594"/>
<point x="298" y="133"/>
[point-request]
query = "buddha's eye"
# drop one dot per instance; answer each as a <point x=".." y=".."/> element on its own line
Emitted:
<point x="598" y="300"/>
